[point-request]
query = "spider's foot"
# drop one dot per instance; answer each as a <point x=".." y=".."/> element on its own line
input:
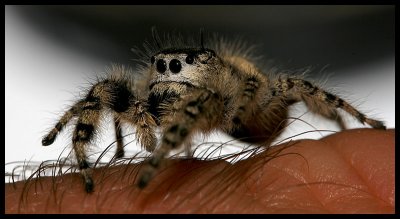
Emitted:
<point x="49" y="139"/>
<point x="376" y="124"/>
<point x="87" y="178"/>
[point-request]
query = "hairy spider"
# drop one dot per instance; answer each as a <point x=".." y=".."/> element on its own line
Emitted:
<point x="188" y="89"/>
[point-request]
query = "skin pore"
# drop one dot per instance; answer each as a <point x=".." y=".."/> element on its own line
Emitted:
<point x="348" y="172"/>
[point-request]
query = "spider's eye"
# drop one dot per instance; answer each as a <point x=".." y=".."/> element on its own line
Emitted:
<point x="175" y="66"/>
<point x="161" y="66"/>
<point x="152" y="59"/>
<point x="189" y="59"/>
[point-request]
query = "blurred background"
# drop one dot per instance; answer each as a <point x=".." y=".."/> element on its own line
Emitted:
<point x="51" y="52"/>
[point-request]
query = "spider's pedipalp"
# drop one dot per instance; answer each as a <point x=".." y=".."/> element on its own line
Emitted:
<point x="138" y="116"/>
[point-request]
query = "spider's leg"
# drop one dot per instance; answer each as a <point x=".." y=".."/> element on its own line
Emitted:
<point x="116" y="94"/>
<point x="332" y="114"/>
<point x="88" y="112"/>
<point x="320" y="101"/>
<point x="250" y="89"/>
<point x="201" y="111"/>
<point x="68" y="115"/>
<point x="85" y="128"/>
<point x="118" y="136"/>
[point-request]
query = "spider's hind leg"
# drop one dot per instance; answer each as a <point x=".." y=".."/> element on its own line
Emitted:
<point x="322" y="102"/>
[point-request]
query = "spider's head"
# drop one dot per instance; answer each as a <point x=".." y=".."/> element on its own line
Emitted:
<point x="187" y="67"/>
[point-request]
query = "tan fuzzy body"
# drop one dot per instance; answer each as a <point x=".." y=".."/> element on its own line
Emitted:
<point x="184" y="90"/>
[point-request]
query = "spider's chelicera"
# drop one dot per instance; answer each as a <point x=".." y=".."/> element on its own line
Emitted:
<point x="190" y="90"/>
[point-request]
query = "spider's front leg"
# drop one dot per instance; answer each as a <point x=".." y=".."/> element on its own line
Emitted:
<point x="110" y="94"/>
<point x="202" y="111"/>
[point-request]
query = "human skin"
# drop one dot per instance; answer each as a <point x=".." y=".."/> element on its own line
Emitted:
<point x="348" y="172"/>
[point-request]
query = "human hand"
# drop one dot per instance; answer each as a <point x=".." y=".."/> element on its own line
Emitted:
<point x="347" y="172"/>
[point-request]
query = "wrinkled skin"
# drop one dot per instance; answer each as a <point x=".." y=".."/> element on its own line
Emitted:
<point x="347" y="172"/>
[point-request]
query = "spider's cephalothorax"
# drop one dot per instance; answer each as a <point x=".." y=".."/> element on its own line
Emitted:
<point x="192" y="90"/>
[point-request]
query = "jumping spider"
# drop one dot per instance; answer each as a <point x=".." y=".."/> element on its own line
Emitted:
<point x="194" y="89"/>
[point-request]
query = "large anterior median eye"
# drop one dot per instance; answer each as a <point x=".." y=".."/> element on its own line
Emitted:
<point x="175" y="66"/>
